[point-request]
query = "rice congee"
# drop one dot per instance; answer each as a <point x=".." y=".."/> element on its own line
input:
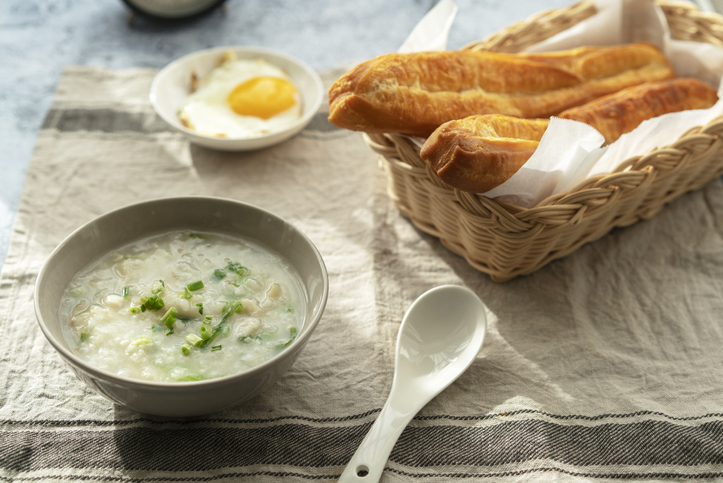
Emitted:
<point x="183" y="307"/>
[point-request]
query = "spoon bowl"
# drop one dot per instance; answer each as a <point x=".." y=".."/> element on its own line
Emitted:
<point x="436" y="340"/>
<point x="439" y="338"/>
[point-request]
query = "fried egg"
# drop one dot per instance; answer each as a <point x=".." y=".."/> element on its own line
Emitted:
<point x="241" y="99"/>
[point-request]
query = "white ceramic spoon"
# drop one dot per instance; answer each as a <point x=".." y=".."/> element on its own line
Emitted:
<point x="440" y="336"/>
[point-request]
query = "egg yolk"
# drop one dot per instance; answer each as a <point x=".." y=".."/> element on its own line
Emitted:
<point x="262" y="97"/>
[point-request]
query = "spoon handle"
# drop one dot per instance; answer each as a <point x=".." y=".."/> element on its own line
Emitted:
<point x="370" y="458"/>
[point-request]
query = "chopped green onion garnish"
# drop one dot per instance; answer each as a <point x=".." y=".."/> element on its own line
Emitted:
<point x="194" y="340"/>
<point x="247" y="338"/>
<point x="221" y="327"/>
<point x="169" y="317"/>
<point x="207" y="319"/>
<point x="200" y="307"/>
<point x="158" y="304"/>
<point x="289" y="309"/>
<point x="216" y="348"/>
<point x="125" y="291"/>
<point x="235" y="306"/>
<point x="186" y="350"/>
<point x="136" y="309"/>
<point x="219" y="274"/>
<point x="237" y="268"/>
<point x="158" y="286"/>
<point x="169" y="330"/>
<point x="152" y="302"/>
<point x="141" y="341"/>
<point x="193" y="286"/>
<point x="292" y="336"/>
<point x="205" y="331"/>
<point x="191" y="378"/>
<point x="186" y="293"/>
<point x="84" y="336"/>
<point x="157" y="327"/>
<point x="186" y="320"/>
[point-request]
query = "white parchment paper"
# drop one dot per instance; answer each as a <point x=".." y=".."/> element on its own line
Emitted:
<point x="571" y="151"/>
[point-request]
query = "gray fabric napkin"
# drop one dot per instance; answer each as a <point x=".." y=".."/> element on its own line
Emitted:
<point x="606" y="365"/>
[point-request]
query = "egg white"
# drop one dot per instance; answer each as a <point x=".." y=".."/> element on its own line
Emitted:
<point x="208" y="112"/>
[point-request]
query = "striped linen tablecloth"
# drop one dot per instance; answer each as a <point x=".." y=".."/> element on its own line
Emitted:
<point x="604" y="366"/>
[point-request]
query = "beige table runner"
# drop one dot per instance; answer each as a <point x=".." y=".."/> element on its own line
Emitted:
<point x="606" y="365"/>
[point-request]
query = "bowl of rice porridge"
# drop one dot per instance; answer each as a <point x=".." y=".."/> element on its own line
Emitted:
<point x="181" y="306"/>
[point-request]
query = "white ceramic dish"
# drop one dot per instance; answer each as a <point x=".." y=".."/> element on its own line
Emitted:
<point x="215" y="215"/>
<point x="173" y="84"/>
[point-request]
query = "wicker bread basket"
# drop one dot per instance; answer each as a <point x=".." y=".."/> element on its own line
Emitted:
<point x="504" y="240"/>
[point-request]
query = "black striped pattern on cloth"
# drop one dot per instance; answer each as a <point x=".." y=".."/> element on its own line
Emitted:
<point x="543" y="446"/>
<point x="110" y="120"/>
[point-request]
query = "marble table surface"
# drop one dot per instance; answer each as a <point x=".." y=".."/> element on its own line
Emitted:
<point x="39" y="37"/>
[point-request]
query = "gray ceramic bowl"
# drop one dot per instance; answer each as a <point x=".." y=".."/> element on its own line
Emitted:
<point x="125" y="225"/>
